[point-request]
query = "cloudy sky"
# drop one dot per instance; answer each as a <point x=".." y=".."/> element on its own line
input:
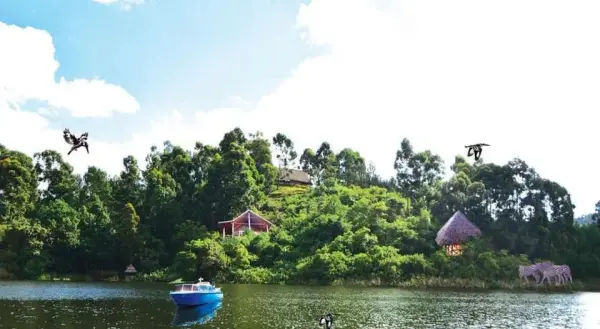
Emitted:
<point x="523" y="76"/>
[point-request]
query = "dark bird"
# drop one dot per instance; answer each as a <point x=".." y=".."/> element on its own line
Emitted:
<point x="475" y="150"/>
<point x="327" y="320"/>
<point x="76" y="142"/>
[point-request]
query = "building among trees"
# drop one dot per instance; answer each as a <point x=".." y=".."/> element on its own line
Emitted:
<point x="457" y="230"/>
<point x="248" y="220"/>
<point x="293" y="177"/>
<point x="130" y="272"/>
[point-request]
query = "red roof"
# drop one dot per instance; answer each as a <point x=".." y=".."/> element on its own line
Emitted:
<point x="130" y="269"/>
<point x="244" y="216"/>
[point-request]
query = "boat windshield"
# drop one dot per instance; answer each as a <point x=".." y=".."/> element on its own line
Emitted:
<point x="204" y="286"/>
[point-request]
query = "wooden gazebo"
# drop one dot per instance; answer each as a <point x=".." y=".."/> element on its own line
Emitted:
<point x="248" y="220"/>
<point x="455" y="232"/>
<point x="130" y="271"/>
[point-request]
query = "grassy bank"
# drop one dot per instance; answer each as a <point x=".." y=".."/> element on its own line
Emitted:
<point x="427" y="282"/>
<point x="420" y="282"/>
<point x="73" y="277"/>
<point x="440" y="283"/>
<point x="476" y="284"/>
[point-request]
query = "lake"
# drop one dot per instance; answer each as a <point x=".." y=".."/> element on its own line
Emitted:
<point x="53" y="305"/>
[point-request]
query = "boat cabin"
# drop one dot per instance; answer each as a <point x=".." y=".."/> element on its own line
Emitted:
<point x="204" y="286"/>
<point x="199" y="286"/>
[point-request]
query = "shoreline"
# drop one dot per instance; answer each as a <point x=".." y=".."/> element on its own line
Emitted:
<point x="437" y="283"/>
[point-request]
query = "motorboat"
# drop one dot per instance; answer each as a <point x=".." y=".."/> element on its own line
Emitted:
<point x="195" y="294"/>
<point x="191" y="316"/>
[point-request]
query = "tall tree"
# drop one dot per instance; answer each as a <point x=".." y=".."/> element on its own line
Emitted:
<point x="285" y="152"/>
<point x="259" y="149"/>
<point x="127" y="188"/>
<point x="96" y="238"/>
<point x="58" y="177"/>
<point x="417" y="173"/>
<point x="232" y="185"/>
<point x="235" y="136"/>
<point x="320" y="165"/>
<point x="126" y="229"/>
<point x="21" y="236"/>
<point x="351" y="168"/>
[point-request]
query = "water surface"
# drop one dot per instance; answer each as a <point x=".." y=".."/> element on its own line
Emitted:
<point x="50" y="305"/>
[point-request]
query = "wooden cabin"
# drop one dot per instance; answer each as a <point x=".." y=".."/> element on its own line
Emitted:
<point x="248" y="220"/>
<point x="293" y="177"/>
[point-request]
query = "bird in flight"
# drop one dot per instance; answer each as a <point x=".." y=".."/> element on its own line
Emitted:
<point x="76" y="142"/>
<point x="475" y="150"/>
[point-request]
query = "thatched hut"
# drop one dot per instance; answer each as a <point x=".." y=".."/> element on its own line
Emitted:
<point x="455" y="232"/>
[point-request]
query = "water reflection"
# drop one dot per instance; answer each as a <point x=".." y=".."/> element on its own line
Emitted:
<point x="185" y="317"/>
<point x="51" y="305"/>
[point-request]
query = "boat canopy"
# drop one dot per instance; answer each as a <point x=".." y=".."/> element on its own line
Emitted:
<point x="198" y="286"/>
<point x="204" y="286"/>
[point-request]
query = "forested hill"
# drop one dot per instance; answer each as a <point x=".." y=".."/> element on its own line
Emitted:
<point x="352" y="225"/>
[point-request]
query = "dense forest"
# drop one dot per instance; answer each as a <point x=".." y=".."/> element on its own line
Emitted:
<point x="350" y="226"/>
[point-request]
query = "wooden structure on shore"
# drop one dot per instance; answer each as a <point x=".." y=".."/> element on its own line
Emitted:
<point x="248" y="220"/>
<point x="130" y="272"/>
<point x="457" y="230"/>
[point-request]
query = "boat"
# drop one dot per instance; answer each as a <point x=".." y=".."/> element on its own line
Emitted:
<point x="195" y="294"/>
<point x="191" y="316"/>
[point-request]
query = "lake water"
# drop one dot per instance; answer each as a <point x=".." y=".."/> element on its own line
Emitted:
<point x="50" y="305"/>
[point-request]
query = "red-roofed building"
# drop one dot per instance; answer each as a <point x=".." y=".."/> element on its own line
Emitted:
<point x="247" y="220"/>
<point x="130" y="271"/>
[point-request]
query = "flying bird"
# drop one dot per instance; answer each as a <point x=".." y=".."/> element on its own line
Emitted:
<point x="475" y="150"/>
<point x="76" y="142"/>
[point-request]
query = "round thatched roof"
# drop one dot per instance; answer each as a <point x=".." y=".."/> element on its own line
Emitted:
<point x="456" y="230"/>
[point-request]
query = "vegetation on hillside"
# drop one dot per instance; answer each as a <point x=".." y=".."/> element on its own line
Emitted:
<point x="352" y="226"/>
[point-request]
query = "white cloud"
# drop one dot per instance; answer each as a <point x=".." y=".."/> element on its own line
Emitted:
<point x="125" y="4"/>
<point x="27" y="72"/>
<point x="519" y="75"/>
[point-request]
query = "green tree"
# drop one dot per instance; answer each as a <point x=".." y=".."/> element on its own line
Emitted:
<point x="231" y="187"/>
<point x="351" y="168"/>
<point x="126" y="229"/>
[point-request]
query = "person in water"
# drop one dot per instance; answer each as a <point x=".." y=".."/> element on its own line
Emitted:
<point x="327" y="320"/>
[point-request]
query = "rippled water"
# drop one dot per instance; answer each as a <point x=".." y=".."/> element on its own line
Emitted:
<point x="48" y="305"/>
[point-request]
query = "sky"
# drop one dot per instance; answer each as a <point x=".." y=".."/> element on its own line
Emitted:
<point x="522" y="76"/>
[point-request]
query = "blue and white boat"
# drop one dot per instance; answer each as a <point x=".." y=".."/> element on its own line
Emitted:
<point x="195" y="294"/>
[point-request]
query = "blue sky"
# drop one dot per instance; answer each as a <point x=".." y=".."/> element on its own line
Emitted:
<point x="520" y="75"/>
<point x="184" y="54"/>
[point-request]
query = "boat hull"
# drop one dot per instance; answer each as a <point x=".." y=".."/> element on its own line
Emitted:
<point x="189" y="316"/>
<point x="191" y="299"/>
